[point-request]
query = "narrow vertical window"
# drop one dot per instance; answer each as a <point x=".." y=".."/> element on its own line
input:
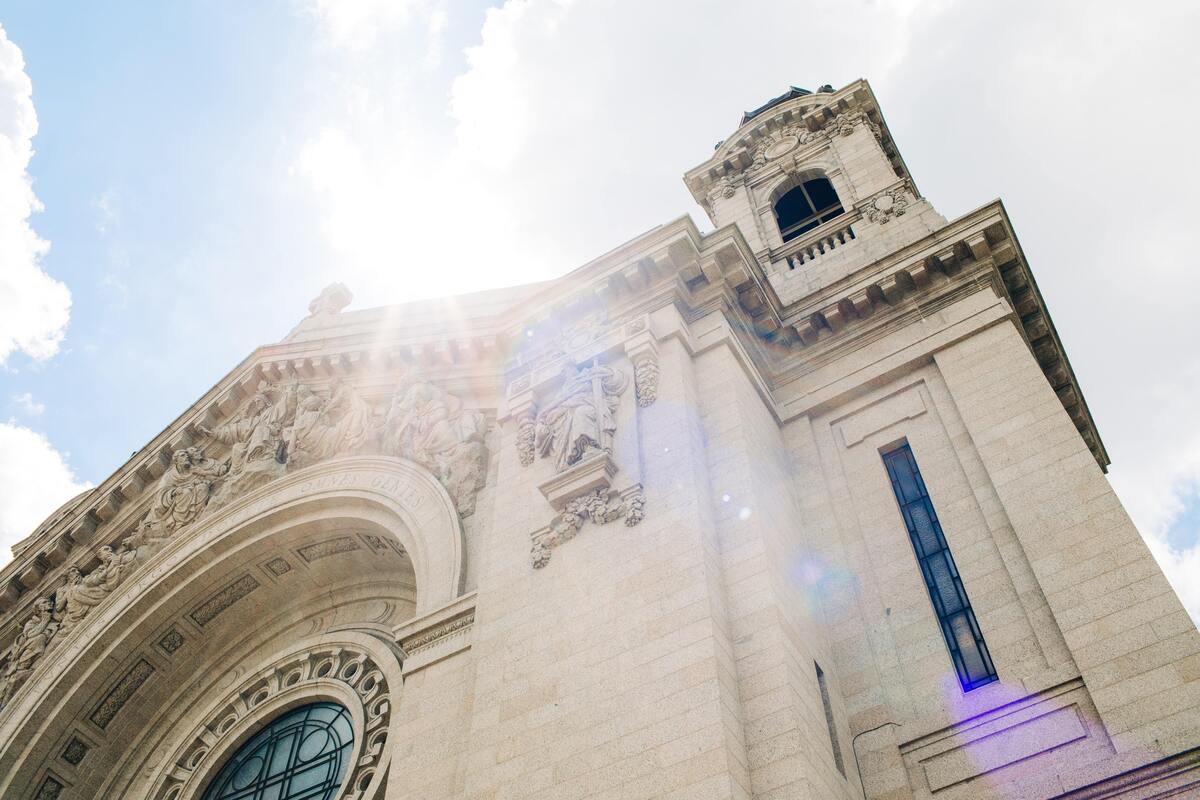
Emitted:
<point x="967" y="648"/>
<point x="833" y="739"/>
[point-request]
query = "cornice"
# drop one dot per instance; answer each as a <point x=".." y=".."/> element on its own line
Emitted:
<point x="734" y="159"/>
<point x="671" y="266"/>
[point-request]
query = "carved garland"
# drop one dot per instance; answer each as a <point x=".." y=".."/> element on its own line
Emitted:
<point x="887" y="204"/>
<point x="297" y="673"/>
<point x="600" y="506"/>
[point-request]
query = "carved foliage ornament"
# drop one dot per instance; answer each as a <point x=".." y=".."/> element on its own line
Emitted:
<point x="598" y="506"/>
<point x="783" y="141"/>
<point x="882" y="207"/>
<point x="281" y="428"/>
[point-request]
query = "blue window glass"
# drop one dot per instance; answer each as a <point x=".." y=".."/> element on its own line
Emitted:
<point x="967" y="648"/>
<point x="301" y="755"/>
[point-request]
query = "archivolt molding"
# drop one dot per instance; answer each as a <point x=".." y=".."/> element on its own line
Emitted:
<point x="352" y="669"/>
<point x="283" y="425"/>
<point x="415" y="509"/>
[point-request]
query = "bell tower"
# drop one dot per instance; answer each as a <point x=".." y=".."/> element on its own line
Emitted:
<point x="816" y="185"/>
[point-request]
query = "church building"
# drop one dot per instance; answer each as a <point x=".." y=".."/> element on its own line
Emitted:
<point x="806" y="507"/>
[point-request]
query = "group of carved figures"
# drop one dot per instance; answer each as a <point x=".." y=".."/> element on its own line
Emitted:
<point x="286" y="427"/>
<point x="54" y="617"/>
<point x="281" y="428"/>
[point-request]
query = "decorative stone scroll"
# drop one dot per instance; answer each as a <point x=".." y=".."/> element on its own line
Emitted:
<point x="298" y="675"/>
<point x="600" y="506"/>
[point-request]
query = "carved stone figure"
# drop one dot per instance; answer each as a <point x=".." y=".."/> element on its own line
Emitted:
<point x="76" y="598"/>
<point x="332" y="299"/>
<point x="256" y="438"/>
<point x="27" y="648"/>
<point x="344" y="424"/>
<point x="431" y="427"/>
<point x="582" y="416"/>
<point x="182" y="493"/>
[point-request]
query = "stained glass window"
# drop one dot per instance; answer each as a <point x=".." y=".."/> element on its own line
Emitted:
<point x="965" y="641"/>
<point x="302" y="754"/>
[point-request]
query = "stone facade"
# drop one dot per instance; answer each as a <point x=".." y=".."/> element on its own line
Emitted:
<point x="630" y="534"/>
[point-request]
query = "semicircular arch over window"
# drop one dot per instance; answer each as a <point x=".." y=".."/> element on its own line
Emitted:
<point x="806" y="206"/>
<point x="302" y="753"/>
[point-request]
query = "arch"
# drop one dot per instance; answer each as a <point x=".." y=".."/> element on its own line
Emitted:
<point x="390" y="514"/>
<point x="804" y="201"/>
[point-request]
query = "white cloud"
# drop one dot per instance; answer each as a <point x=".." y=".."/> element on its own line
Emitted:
<point x="27" y="405"/>
<point x="34" y="308"/>
<point x="35" y="479"/>
<point x="569" y="125"/>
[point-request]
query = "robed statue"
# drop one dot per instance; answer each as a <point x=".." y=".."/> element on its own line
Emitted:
<point x="27" y="648"/>
<point x="431" y="426"/>
<point x="581" y="418"/>
<point x="256" y="439"/>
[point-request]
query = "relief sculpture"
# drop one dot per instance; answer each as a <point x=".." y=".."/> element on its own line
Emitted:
<point x="256" y="439"/>
<point x="281" y="428"/>
<point x="581" y="418"/>
<point x="32" y="640"/>
<point x="431" y="427"/>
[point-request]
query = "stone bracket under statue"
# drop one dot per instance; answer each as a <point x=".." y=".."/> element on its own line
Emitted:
<point x="579" y="430"/>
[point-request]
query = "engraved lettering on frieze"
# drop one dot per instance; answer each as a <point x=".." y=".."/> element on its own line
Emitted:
<point x="120" y="694"/>
<point x="581" y="418"/>
<point x="280" y="428"/>
<point x="171" y="641"/>
<point x="598" y="506"/>
<point x="74" y="752"/>
<point x="329" y="547"/>
<point x="207" y="611"/>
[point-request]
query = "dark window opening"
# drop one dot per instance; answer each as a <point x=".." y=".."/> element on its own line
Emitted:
<point x="805" y="207"/>
<point x="833" y="737"/>
<point x="960" y="629"/>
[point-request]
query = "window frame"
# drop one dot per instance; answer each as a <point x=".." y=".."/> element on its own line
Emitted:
<point x="813" y="221"/>
<point x="926" y="561"/>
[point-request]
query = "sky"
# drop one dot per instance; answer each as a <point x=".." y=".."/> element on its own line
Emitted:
<point x="178" y="180"/>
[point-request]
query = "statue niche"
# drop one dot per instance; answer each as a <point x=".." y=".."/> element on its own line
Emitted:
<point x="581" y="418"/>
